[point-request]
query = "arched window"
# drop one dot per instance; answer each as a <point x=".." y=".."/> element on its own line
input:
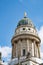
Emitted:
<point x="23" y="52"/>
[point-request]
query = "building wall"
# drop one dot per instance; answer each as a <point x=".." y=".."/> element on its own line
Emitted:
<point x="27" y="44"/>
<point x="29" y="63"/>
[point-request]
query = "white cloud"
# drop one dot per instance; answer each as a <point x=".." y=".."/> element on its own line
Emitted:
<point x="42" y="55"/>
<point x="6" y="51"/>
<point x="41" y="34"/>
<point x="5" y="63"/>
<point x="6" y="54"/>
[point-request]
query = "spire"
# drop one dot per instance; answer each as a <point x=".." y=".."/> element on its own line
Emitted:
<point x="25" y="14"/>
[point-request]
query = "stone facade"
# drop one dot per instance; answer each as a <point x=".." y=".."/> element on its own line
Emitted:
<point x="25" y="39"/>
<point x="27" y="44"/>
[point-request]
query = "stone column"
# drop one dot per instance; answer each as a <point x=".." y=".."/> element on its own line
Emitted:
<point x="34" y="48"/>
<point x="27" y="45"/>
<point x="39" y="50"/>
<point x="19" y="48"/>
<point x="13" y="50"/>
<point x="30" y="47"/>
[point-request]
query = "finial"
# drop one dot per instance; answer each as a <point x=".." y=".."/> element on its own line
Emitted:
<point x="25" y="14"/>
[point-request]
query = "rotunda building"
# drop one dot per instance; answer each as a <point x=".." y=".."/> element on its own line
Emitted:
<point x="25" y="40"/>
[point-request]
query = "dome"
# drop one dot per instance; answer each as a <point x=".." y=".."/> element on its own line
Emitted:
<point x="25" y="21"/>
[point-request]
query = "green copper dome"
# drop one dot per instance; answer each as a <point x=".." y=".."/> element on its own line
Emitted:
<point x="25" y="21"/>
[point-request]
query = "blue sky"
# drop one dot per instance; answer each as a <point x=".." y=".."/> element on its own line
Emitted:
<point x="11" y="11"/>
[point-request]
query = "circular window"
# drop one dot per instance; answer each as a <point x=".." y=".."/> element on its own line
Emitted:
<point x="23" y="28"/>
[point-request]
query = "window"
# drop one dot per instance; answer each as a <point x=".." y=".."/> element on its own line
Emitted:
<point x="23" y="28"/>
<point x="28" y="28"/>
<point x="23" y="52"/>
